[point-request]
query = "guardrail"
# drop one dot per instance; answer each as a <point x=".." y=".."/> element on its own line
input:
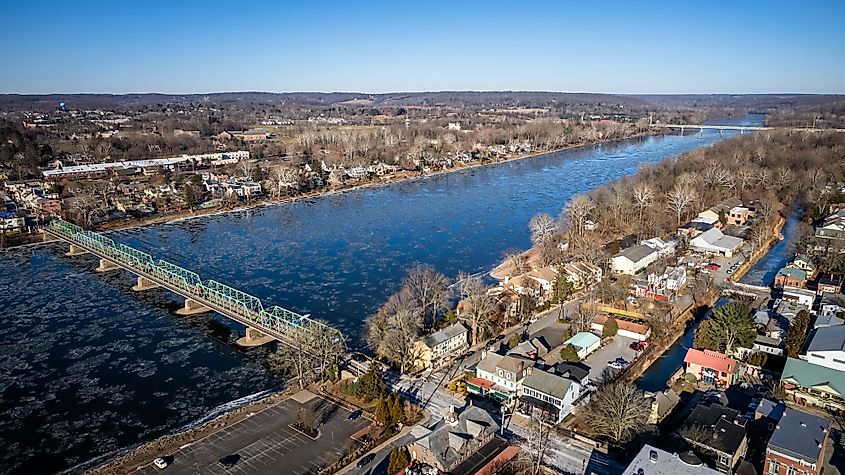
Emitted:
<point x="235" y="302"/>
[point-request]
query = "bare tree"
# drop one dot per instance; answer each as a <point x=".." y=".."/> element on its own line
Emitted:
<point x="643" y="197"/>
<point x="679" y="199"/>
<point x="477" y="305"/>
<point x="392" y="332"/>
<point x="617" y="411"/>
<point x="429" y="289"/>
<point x="542" y="227"/>
<point x="517" y="261"/>
<point x="283" y="178"/>
<point x="308" y="352"/>
<point x="576" y="212"/>
<point x="537" y="442"/>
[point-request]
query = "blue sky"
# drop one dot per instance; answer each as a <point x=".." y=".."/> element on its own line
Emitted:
<point x="602" y="46"/>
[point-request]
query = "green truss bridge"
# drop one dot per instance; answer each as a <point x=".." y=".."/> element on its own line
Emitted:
<point x="262" y="324"/>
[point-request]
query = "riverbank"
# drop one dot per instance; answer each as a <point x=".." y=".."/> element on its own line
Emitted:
<point x="400" y="177"/>
<point x="134" y="458"/>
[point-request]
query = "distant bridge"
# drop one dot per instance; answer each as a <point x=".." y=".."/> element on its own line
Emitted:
<point x="740" y="128"/>
<point x="263" y="324"/>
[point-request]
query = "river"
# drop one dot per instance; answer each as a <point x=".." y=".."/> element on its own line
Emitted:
<point x="90" y="367"/>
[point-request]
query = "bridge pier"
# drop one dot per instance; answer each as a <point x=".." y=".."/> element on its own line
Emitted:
<point x="106" y="265"/>
<point x="192" y="307"/>
<point x="75" y="250"/>
<point x="253" y="337"/>
<point x="144" y="284"/>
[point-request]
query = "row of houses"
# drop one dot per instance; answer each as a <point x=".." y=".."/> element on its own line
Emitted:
<point x="134" y="167"/>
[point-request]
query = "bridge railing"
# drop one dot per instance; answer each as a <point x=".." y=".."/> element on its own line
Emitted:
<point x="242" y="304"/>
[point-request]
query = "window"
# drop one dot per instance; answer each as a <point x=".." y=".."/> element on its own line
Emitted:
<point x="774" y="467"/>
<point x="723" y="459"/>
<point x="816" y="355"/>
<point x="509" y="376"/>
<point x="501" y="373"/>
<point x="790" y="470"/>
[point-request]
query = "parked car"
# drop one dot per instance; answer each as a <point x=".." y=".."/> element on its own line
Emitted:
<point x="229" y="461"/>
<point x="533" y="320"/>
<point x="618" y="363"/>
<point x="354" y="415"/>
<point x="713" y="266"/>
<point x="636" y="346"/>
<point x="160" y="463"/>
<point x="469" y="353"/>
<point x="365" y="460"/>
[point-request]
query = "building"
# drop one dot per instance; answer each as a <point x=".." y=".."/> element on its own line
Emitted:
<point x="827" y="347"/>
<point x="788" y="309"/>
<point x="662" y="404"/>
<point x="814" y="385"/>
<point x="802" y="296"/>
<point x="711" y="367"/>
<point x="738" y="215"/>
<point x="436" y="348"/>
<point x="722" y="439"/>
<point x="584" y="342"/>
<point x="547" y="395"/>
<point x="804" y="263"/>
<point x="499" y="377"/>
<point x="797" y="444"/>
<point x="831" y="308"/>
<point x="716" y="242"/>
<point x="633" y="259"/>
<point x="831" y="283"/>
<point x="454" y="439"/>
<point x="829" y="236"/>
<point x="791" y="276"/>
<point x="653" y="461"/>
<point x="627" y="328"/>
<point x="108" y="168"/>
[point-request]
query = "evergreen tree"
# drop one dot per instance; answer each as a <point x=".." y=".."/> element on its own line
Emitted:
<point x="514" y="341"/>
<point x="702" y="340"/>
<point x="383" y="412"/>
<point x="732" y="326"/>
<point x="611" y="326"/>
<point x="569" y="354"/>
<point x="396" y="412"/>
<point x="797" y="333"/>
<point x="398" y="460"/>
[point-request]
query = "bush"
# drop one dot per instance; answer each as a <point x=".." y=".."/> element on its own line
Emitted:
<point x="514" y="341"/>
<point x="569" y="354"/>
<point x="610" y="327"/>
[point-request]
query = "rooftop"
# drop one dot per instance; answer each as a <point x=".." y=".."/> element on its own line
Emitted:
<point x="547" y="383"/>
<point x="636" y="253"/>
<point x="828" y="339"/>
<point x="583" y="340"/>
<point x="809" y="375"/>
<point x="727" y="435"/>
<point x="799" y="435"/>
<point x="653" y="461"/>
<point x="710" y="359"/>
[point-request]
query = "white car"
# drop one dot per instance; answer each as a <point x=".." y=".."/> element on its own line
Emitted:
<point x="160" y="463"/>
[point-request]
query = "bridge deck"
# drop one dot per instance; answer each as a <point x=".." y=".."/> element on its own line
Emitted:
<point x="276" y="322"/>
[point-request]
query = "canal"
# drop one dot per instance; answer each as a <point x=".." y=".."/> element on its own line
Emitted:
<point x="90" y="367"/>
<point x="761" y="273"/>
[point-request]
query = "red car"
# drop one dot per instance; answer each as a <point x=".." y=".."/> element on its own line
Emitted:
<point x="638" y="345"/>
<point x="713" y="266"/>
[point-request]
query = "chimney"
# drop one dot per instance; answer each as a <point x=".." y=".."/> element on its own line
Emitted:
<point x="652" y="456"/>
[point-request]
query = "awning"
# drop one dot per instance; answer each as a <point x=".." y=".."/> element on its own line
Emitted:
<point x="540" y="404"/>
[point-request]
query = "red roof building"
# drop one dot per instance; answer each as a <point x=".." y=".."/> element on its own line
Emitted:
<point x="711" y="367"/>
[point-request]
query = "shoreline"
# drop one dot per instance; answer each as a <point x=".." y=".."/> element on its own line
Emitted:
<point x="400" y="177"/>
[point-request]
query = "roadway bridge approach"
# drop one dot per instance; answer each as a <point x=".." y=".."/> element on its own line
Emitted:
<point x="263" y="324"/>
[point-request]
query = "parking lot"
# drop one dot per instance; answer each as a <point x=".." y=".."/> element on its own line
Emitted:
<point x="265" y="443"/>
<point x="597" y="360"/>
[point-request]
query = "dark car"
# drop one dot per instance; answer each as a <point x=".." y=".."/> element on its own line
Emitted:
<point x="469" y="353"/>
<point x="365" y="460"/>
<point x="229" y="461"/>
<point x="354" y="415"/>
<point x="636" y="346"/>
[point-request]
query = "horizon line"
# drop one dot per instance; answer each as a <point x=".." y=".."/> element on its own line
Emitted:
<point x="482" y="91"/>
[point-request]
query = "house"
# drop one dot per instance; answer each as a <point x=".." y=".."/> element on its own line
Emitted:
<point x="434" y="349"/>
<point x="633" y="259"/>
<point x="582" y="273"/>
<point x="738" y="215"/>
<point x="548" y="395"/>
<point x="827" y="347"/>
<point x="711" y="367"/>
<point x="829" y="236"/>
<point x="802" y="296"/>
<point x="529" y="349"/>
<point x="695" y="228"/>
<point x="662" y="404"/>
<point x="723" y="440"/>
<point x="809" y="384"/>
<point x="545" y="277"/>
<point x="788" y="309"/>
<point x="791" y="276"/>
<point x="627" y="328"/>
<point x="716" y="242"/>
<point x="584" y="342"/>
<point x="831" y="283"/>
<point x="831" y="308"/>
<point x="454" y="439"/>
<point x="770" y="410"/>
<point x="722" y="209"/>
<point x="653" y="461"/>
<point x="498" y="377"/>
<point x="804" y="263"/>
<point x="662" y="247"/>
<point x="578" y="372"/>
<point x="796" y="445"/>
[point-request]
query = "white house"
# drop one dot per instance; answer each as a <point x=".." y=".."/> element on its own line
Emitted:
<point x="827" y="348"/>
<point x="497" y="376"/>
<point x="802" y="296"/>
<point x="437" y="347"/>
<point x="545" y="277"/>
<point x="633" y="260"/>
<point x="551" y="395"/>
<point x="714" y="241"/>
<point x="663" y="248"/>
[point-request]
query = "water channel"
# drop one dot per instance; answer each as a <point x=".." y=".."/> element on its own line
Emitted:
<point x="88" y="367"/>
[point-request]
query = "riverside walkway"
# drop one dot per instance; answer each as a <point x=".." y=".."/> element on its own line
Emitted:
<point x="262" y="324"/>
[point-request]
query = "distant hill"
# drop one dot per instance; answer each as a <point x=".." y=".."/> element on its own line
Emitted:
<point x="12" y="102"/>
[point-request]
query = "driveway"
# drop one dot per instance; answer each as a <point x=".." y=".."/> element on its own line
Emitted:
<point x="266" y="444"/>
